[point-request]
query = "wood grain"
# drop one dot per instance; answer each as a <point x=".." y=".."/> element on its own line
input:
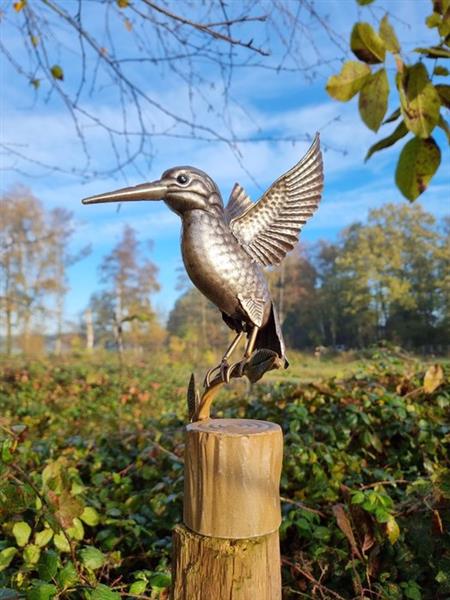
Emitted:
<point x="232" y="477"/>
<point x="207" y="568"/>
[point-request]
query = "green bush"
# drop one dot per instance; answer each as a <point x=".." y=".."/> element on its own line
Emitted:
<point x="91" y="480"/>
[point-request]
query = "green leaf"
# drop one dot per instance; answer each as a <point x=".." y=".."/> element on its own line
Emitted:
<point x="92" y="558"/>
<point x="90" y="516"/>
<point x="48" y="565"/>
<point x="138" y="587"/>
<point x="6" y="557"/>
<point x="434" y="52"/>
<point x="392" y="530"/>
<point x="382" y="515"/>
<point x="57" y="72"/>
<point x="433" y="20"/>
<point x="160" y="581"/>
<point x="67" y="576"/>
<point x="7" y="450"/>
<point x="418" y="162"/>
<point x="103" y="592"/>
<point x="441" y="577"/>
<point x="441" y="71"/>
<point x="44" y="591"/>
<point x="412" y="590"/>
<point x="442" y="123"/>
<point x="350" y="80"/>
<point x="31" y="554"/>
<point x="376" y="442"/>
<point x="444" y="26"/>
<point x="21" y="531"/>
<point x="389" y="36"/>
<point x="399" y="132"/>
<point x="61" y="542"/>
<point x="419" y="100"/>
<point x="393" y="116"/>
<point x="358" y="498"/>
<point x="373" y="99"/>
<point x="366" y="44"/>
<point x="364" y="2"/>
<point x="42" y="538"/>
<point x="444" y="93"/>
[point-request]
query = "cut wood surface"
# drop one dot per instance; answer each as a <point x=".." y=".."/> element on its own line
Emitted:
<point x="232" y="478"/>
<point x="207" y="568"/>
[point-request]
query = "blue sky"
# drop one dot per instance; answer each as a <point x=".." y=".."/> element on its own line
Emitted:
<point x="263" y="104"/>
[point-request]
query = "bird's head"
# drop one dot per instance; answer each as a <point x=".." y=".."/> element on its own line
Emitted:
<point x="182" y="189"/>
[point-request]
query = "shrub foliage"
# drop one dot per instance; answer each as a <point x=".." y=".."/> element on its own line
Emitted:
<point x="91" y="480"/>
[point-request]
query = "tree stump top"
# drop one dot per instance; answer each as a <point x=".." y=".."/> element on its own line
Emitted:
<point x="235" y="427"/>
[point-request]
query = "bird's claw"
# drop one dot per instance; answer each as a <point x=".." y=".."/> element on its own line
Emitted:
<point x="222" y="368"/>
<point x="226" y="371"/>
<point x="237" y="367"/>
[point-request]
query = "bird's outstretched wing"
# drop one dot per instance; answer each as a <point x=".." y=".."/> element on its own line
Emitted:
<point x="270" y="228"/>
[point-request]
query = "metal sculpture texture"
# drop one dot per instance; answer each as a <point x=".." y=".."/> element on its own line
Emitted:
<point x="225" y="249"/>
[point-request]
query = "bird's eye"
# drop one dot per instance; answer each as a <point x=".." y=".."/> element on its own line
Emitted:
<point x="183" y="179"/>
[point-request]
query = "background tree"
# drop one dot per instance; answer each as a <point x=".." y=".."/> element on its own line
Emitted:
<point x="335" y="327"/>
<point x="443" y="281"/>
<point x="34" y="255"/>
<point x="294" y="290"/>
<point x="391" y="262"/>
<point x="197" y="322"/>
<point x="386" y="279"/>
<point x="125" y="304"/>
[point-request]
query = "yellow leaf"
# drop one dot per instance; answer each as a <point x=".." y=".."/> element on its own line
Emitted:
<point x="18" y="6"/>
<point x="21" y="531"/>
<point x="392" y="530"/>
<point x="61" y="542"/>
<point x="349" y="81"/>
<point x="57" y="72"/>
<point x="388" y="36"/>
<point x="43" y="537"/>
<point x="418" y="162"/>
<point x="31" y="554"/>
<point x="123" y="3"/>
<point x="366" y="44"/>
<point x="433" y="379"/>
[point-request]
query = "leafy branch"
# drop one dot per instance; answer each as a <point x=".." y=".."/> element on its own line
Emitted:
<point x="422" y="101"/>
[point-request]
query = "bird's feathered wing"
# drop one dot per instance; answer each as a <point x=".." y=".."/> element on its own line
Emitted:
<point x="269" y="229"/>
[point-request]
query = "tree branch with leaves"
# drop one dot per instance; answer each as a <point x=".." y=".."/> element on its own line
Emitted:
<point x="422" y="102"/>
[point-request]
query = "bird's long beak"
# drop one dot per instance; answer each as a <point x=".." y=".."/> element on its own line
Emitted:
<point x="155" y="190"/>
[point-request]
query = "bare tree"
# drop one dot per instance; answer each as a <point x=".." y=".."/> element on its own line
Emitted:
<point x="129" y="282"/>
<point x="75" y="54"/>
<point x="34" y="255"/>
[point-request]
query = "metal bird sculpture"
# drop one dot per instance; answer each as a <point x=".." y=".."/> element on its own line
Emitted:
<point x="225" y="249"/>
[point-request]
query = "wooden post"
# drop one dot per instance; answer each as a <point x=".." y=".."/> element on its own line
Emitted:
<point x="228" y="546"/>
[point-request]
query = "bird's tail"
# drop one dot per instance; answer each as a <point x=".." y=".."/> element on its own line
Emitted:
<point x="271" y="337"/>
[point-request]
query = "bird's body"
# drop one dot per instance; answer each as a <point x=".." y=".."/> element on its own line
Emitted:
<point x="225" y="248"/>
<point x="219" y="267"/>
